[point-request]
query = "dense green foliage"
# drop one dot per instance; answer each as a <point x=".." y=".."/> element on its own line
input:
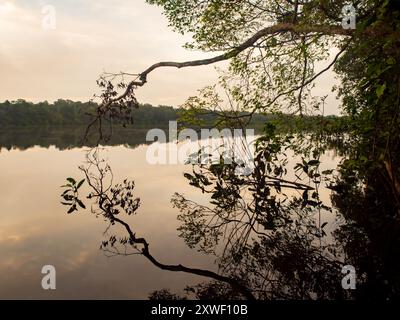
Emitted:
<point x="66" y="113"/>
<point x="69" y="113"/>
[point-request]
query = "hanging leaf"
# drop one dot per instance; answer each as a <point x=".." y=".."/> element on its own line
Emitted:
<point x="380" y="90"/>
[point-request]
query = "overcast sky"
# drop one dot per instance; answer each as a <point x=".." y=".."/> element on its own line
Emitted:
<point x="92" y="36"/>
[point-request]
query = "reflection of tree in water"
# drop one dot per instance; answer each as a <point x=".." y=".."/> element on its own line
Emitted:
<point x="370" y="237"/>
<point x="66" y="138"/>
<point x="262" y="228"/>
<point x="264" y="231"/>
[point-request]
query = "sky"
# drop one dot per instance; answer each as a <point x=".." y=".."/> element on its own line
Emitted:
<point x="91" y="36"/>
<point x="46" y="56"/>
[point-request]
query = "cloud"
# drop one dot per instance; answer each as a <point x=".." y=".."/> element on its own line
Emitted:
<point x="90" y="36"/>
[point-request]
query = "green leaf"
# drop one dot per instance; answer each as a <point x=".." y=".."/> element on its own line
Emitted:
<point x="380" y="90"/>
<point x="71" y="180"/>
<point x="391" y="61"/>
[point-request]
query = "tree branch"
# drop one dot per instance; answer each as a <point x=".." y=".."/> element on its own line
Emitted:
<point x="141" y="80"/>
<point x="279" y="28"/>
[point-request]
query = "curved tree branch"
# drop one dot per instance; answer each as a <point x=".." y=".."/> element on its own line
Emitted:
<point x="279" y="28"/>
<point x="141" y="80"/>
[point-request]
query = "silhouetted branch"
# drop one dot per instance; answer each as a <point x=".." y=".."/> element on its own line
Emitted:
<point x="141" y="80"/>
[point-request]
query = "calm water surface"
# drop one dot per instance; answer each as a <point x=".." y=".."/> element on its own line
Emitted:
<point x="36" y="231"/>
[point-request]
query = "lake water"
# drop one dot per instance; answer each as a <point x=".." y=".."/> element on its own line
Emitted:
<point x="36" y="231"/>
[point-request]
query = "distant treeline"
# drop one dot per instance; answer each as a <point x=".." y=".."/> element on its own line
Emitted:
<point x="66" y="113"/>
<point x="21" y="113"/>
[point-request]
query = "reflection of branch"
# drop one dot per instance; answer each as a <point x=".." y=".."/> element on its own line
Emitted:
<point x="109" y="207"/>
<point x="180" y="268"/>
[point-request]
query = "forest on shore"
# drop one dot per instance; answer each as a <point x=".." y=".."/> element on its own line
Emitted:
<point x="67" y="113"/>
